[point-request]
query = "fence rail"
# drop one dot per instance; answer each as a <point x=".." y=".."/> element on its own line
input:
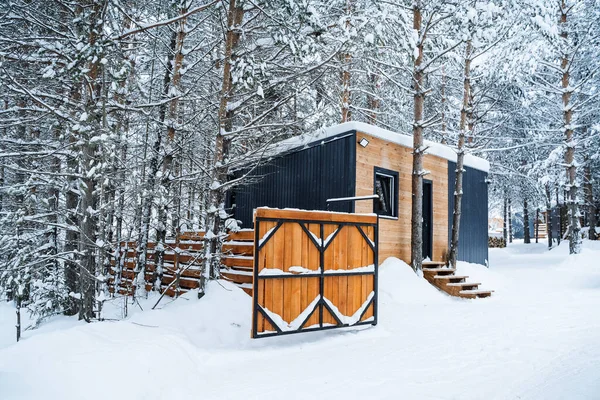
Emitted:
<point x="313" y="270"/>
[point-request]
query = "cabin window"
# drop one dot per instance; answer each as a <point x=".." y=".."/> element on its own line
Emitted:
<point x="386" y="188"/>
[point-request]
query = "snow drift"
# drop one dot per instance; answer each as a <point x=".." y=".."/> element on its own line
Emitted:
<point x="537" y="337"/>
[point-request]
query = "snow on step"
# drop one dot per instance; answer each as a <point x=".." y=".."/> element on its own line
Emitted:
<point x="440" y="270"/>
<point x="427" y="263"/>
<point x="432" y="266"/>
<point x="463" y="284"/>
<point x="450" y="277"/>
<point x="236" y="272"/>
<point x="476" y="291"/>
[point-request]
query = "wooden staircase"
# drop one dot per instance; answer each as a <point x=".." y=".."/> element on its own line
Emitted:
<point x="238" y="259"/>
<point x="446" y="280"/>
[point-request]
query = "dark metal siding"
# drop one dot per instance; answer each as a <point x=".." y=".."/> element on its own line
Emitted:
<point x="473" y="236"/>
<point x="303" y="178"/>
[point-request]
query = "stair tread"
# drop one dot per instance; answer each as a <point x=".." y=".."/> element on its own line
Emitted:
<point x="450" y="277"/>
<point x="476" y="291"/>
<point x="464" y="284"/>
<point x="440" y="270"/>
<point x="433" y="263"/>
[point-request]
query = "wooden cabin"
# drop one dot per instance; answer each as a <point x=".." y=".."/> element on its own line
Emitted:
<point x="357" y="159"/>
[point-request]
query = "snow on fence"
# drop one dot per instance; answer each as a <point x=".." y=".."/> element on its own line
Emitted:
<point x="313" y="270"/>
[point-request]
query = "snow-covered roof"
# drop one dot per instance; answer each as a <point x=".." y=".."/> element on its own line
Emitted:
<point x="436" y="149"/>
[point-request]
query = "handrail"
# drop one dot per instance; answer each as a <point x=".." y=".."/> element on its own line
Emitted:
<point x="354" y="198"/>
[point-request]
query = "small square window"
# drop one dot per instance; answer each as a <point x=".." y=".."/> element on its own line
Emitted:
<point x="386" y="187"/>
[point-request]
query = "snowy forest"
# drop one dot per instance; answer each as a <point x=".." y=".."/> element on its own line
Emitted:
<point x="122" y="120"/>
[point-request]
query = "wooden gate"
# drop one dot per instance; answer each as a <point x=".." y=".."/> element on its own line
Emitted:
<point x="313" y="270"/>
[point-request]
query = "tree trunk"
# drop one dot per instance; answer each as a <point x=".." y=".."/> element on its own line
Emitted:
<point x="71" y="203"/>
<point x="536" y="227"/>
<point x="549" y="216"/>
<point x="215" y="215"/>
<point x="560" y="221"/>
<point x="510" y="231"/>
<point x="88" y="204"/>
<point x="505" y="220"/>
<point x="174" y="89"/>
<point x="4" y="134"/>
<point x="18" y="312"/>
<point x="418" y="149"/>
<point x="571" y="169"/>
<point x="87" y="244"/>
<point x="526" y="231"/>
<point x="589" y="199"/>
<point x="52" y="235"/>
<point x="346" y="62"/>
<point x="372" y="98"/>
<point x="72" y="235"/>
<point x="465" y="123"/>
<point x="172" y="78"/>
<point x="121" y="130"/>
<point x="443" y="106"/>
<point x="139" y="281"/>
<point x="121" y="196"/>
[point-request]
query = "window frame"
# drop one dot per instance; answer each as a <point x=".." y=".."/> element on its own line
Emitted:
<point x="394" y="193"/>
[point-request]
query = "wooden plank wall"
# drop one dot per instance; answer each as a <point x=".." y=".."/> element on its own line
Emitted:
<point x="183" y="265"/>
<point x="183" y="261"/>
<point x="394" y="234"/>
<point x="290" y="246"/>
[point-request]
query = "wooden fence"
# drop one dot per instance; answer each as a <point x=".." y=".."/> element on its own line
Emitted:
<point x="182" y="266"/>
<point x="313" y="270"/>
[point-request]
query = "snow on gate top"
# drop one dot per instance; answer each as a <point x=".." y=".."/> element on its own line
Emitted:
<point x="433" y="148"/>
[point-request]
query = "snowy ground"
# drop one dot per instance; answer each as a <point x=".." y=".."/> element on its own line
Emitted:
<point x="538" y="337"/>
